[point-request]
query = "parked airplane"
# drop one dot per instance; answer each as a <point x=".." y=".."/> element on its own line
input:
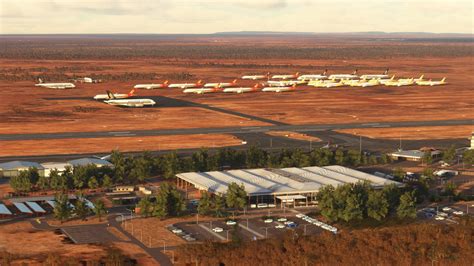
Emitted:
<point x="399" y="83"/>
<point x="310" y="77"/>
<point x="186" y="85"/>
<point x="383" y="81"/>
<point x="376" y="76"/>
<point x="61" y="86"/>
<point x="431" y="83"/>
<point x="243" y="89"/>
<point x="202" y="90"/>
<point x="115" y="95"/>
<point x="283" y="83"/>
<point x="279" y="89"/>
<point x="221" y="84"/>
<point x="255" y="77"/>
<point x="286" y="76"/>
<point x="152" y="86"/>
<point x="327" y="83"/>
<point x="128" y="102"/>
<point x="344" y="76"/>
<point x="408" y="79"/>
<point x="364" y="83"/>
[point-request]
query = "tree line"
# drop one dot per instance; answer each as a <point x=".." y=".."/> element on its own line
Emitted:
<point x="352" y="202"/>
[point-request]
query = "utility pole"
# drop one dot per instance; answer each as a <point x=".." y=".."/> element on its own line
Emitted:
<point x="271" y="143"/>
<point x="310" y="145"/>
<point x="360" y="144"/>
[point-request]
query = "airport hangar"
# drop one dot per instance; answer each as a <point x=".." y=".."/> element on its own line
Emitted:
<point x="292" y="186"/>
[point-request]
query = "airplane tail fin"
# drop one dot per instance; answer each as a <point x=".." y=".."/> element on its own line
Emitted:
<point x="166" y="83"/>
<point x="40" y="80"/>
<point x="130" y="94"/>
<point x="324" y="73"/>
<point x="297" y="74"/>
<point x="199" y="82"/>
<point x="443" y="80"/>
<point x="293" y="87"/>
<point x="234" y="81"/>
<point x="355" y="72"/>
<point x="110" y="94"/>
<point x="421" y="77"/>
<point x="392" y="78"/>
<point x="386" y="71"/>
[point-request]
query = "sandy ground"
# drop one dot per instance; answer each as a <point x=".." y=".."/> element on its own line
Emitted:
<point x="135" y="252"/>
<point x="29" y="242"/>
<point x="414" y="133"/>
<point x="118" y="234"/>
<point x="155" y="230"/>
<point x="124" y="144"/>
<point x="293" y="135"/>
<point x="90" y="220"/>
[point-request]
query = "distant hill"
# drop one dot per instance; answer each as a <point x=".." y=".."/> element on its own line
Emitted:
<point x="381" y="34"/>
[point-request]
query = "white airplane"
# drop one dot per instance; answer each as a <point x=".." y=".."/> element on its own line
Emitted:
<point x="310" y="77"/>
<point x="418" y="79"/>
<point x="431" y="83"/>
<point x="131" y="102"/>
<point x="202" y="90"/>
<point x="279" y="89"/>
<point x="327" y="83"/>
<point x="255" y="77"/>
<point x="344" y="76"/>
<point x="383" y="81"/>
<point x="375" y="76"/>
<point x="114" y="95"/>
<point x="61" y="86"/>
<point x="152" y="86"/>
<point x="364" y="83"/>
<point x="400" y="82"/>
<point x="221" y="84"/>
<point x="286" y="76"/>
<point x="283" y="83"/>
<point x="243" y="89"/>
<point x="186" y="85"/>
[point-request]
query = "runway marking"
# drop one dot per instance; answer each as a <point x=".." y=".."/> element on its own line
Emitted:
<point x="124" y="135"/>
<point x="382" y="126"/>
<point x="119" y="132"/>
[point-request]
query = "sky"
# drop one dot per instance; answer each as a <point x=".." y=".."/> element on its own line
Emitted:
<point x="209" y="16"/>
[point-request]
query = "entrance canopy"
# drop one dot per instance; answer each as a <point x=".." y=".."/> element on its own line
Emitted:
<point x="290" y="198"/>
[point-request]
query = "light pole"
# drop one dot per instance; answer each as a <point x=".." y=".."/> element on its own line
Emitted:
<point x="266" y="231"/>
<point x="123" y="219"/>
<point x="304" y="227"/>
<point x="247" y="222"/>
<point x="164" y="244"/>
<point x="197" y="218"/>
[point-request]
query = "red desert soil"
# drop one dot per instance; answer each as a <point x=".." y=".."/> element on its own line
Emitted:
<point x="413" y="133"/>
<point x="31" y="243"/>
<point x="293" y="135"/>
<point x="125" y="144"/>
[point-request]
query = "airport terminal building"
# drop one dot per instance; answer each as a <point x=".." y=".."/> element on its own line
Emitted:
<point x="277" y="186"/>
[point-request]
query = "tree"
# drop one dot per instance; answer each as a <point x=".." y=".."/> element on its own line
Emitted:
<point x="79" y="176"/>
<point x="200" y="160"/>
<point x="427" y="158"/>
<point x="255" y="157"/>
<point x="407" y="206"/>
<point x="205" y="204"/>
<point x="106" y="182"/>
<point x="339" y="156"/>
<point x="377" y="205"/>
<point x="450" y="154"/>
<point x="327" y="202"/>
<point x="44" y="182"/>
<point x="398" y="173"/>
<point x="118" y="160"/>
<point x="21" y="182"/>
<point x="170" y="165"/>
<point x="145" y="206"/>
<point x="468" y="157"/>
<point x="93" y="183"/>
<point x="80" y="208"/>
<point x="236" y="196"/>
<point x="392" y="193"/>
<point x="450" y="189"/>
<point x="218" y="206"/>
<point x="62" y="209"/>
<point x="99" y="208"/>
<point x="354" y="209"/>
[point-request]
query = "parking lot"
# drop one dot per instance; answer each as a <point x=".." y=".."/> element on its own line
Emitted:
<point x="447" y="214"/>
<point x="249" y="228"/>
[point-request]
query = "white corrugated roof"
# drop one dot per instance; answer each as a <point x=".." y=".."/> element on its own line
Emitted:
<point x="4" y="210"/>
<point x="14" y="165"/>
<point x="22" y="207"/>
<point x="280" y="181"/>
<point x="35" y="207"/>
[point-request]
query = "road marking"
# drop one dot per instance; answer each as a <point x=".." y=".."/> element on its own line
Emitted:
<point x="124" y="135"/>
<point x="212" y="232"/>
<point x="119" y="132"/>
<point x="251" y="231"/>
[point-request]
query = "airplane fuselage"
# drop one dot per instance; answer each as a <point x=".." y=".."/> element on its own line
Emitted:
<point x="131" y="102"/>
<point x="343" y="76"/>
<point x="106" y="96"/>
<point x="149" y="86"/>
<point x="375" y="76"/>
<point x="254" y="77"/>
<point x="312" y="77"/>
<point x="277" y="89"/>
<point x="240" y="90"/>
<point x="56" y="85"/>
<point x="183" y="85"/>
<point x="200" y="90"/>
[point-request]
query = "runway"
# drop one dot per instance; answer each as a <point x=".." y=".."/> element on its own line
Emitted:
<point x="231" y="130"/>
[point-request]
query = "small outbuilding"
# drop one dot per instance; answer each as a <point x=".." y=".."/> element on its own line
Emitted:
<point x="87" y="161"/>
<point x="60" y="167"/>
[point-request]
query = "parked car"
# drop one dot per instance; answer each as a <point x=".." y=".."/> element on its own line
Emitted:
<point x="218" y="229"/>
<point x="267" y="221"/>
<point x="279" y="226"/>
<point x="282" y="219"/>
<point x="231" y="222"/>
<point x="458" y="212"/>
<point x="262" y="205"/>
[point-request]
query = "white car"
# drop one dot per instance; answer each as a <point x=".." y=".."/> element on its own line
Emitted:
<point x="446" y="209"/>
<point x="317" y="223"/>
<point x="253" y="206"/>
<point x="218" y="229"/>
<point x="442" y="214"/>
<point x="458" y="212"/>
<point x="267" y="221"/>
<point x="230" y="222"/>
<point x="282" y="219"/>
<point x="262" y="205"/>
<point x="177" y="231"/>
<point x="288" y="222"/>
<point x="271" y="205"/>
<point x="300" y="215"/>
<point x="439" y="218"/>
<point x="279" y="226"/>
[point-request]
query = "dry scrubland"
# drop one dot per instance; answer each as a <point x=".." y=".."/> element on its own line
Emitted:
<point x="123" y="63"/>
<point x="293" y="135"/>
<point x="415" y="244"/>
<point x="413" y="133"/>
<point x="124" y="144"/>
